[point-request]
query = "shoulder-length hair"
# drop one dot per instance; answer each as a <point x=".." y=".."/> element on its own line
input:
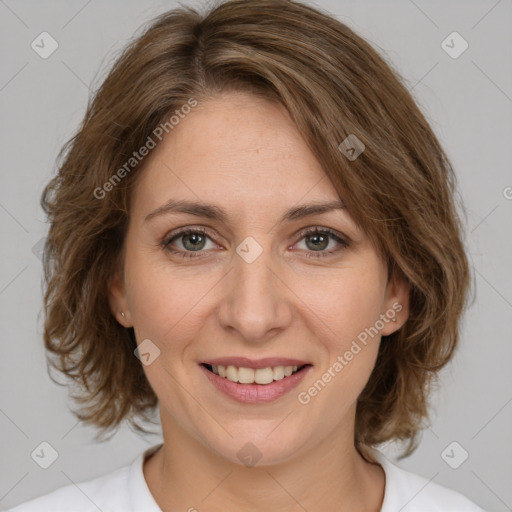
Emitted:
<point x="400" y="191"/>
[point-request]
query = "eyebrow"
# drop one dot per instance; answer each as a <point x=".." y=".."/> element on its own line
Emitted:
<point x="214" y="212"/>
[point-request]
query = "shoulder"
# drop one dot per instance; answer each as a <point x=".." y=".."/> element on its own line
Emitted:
<point x="107" y="492"/>
<point x="409" y="492"/>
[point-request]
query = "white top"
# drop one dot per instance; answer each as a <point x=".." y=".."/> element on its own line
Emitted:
<point x="125" y="490"/>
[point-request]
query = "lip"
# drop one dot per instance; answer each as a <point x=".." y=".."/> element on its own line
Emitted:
<point x="256" y="393"/>
<point x="245" y="362"/>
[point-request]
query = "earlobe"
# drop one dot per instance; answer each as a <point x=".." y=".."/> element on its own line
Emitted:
<point x="117" y="300"/>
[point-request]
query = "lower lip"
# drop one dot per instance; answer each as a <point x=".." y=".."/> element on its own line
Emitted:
<point x="255" y="393"/>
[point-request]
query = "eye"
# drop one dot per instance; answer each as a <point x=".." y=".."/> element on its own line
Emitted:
<point x="194" y="241"/>
<point x="319" y="239"/>
<point x="191" y="240"/>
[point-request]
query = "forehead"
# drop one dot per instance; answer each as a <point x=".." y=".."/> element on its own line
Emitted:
<point x="234" y="147"/>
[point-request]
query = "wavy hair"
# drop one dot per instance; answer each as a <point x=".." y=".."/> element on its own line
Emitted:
<point x="401" y="191"/>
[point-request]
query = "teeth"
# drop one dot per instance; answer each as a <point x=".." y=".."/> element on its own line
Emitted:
<point x="263" y="376"/>
<point x="245" y="375"/>
<point x="251" y="375"/>
<point x="278" y="373"/>
<point x="232" y="373"/>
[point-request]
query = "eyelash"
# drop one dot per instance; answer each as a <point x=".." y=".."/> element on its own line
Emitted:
<point x="166" y="242"/>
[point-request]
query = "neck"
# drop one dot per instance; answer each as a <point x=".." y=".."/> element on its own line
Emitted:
<point x="330" y="476"/>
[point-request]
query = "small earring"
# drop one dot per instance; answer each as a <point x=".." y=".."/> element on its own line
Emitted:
<point x="394" y="319"/>
<point x="122" y="314"/>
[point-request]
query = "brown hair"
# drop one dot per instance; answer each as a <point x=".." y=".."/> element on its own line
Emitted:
<point x="400" y="191"/>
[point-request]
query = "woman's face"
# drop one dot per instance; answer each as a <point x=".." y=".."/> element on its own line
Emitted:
<point x="253" y="283"/>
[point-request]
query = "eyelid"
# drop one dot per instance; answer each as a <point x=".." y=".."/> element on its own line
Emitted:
<point x="340" y="238"/>
<point x="184" y="230"/>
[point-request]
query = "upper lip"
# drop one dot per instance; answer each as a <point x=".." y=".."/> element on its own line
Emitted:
<point x="245" y="362"/>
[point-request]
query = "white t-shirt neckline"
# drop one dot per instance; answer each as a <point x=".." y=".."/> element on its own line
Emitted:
<point x="126" y="490"/>
<point x="140" y="495"/>
<point x="402" y="490"/>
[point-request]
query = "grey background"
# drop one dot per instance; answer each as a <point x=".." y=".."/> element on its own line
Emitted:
<point x="468" y="101"/>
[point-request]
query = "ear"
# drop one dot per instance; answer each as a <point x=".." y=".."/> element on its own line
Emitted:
<point x="117" y="299"/>
<point x="396" y="302"/>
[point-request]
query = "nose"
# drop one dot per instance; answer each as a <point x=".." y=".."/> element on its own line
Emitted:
<point x="256" y="301"/>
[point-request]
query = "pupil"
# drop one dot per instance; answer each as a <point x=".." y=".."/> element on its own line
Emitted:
<point x="323" y="240"/>
<point x="196" y="237"/>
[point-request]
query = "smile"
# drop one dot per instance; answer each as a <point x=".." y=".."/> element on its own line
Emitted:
<point x="253" y="376"/>
<point x="255" y="383"/>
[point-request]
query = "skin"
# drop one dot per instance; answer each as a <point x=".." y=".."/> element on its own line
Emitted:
<point x="245" y="155"/>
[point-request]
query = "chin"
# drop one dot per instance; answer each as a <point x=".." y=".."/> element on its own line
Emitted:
<point x="258" y="443"/>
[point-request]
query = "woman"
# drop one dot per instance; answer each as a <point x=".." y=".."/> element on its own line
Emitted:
<point x="254" y="229"/>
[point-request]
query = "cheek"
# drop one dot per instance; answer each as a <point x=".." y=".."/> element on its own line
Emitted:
<point x="346" y="309"/>
<point x="350" y="349"/>
<point x="347" y="303"/>
<point x="168" y="305"/>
